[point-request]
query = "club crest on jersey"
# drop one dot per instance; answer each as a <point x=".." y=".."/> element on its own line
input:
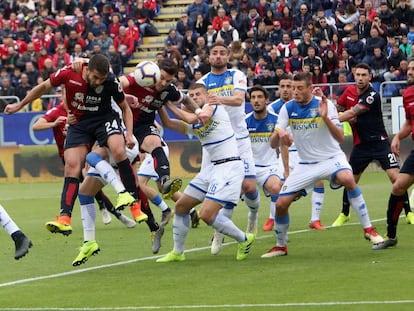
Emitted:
<point x="148" y="99"/>
<point x="79" y="97"/>
<point x="313" y="112"/>
<point x="163" y="95"/>
<point x="270" y="127"/>
<point x="370" y="99"/>
<point x="99" y="89"/>
<point x="228" y="80"/>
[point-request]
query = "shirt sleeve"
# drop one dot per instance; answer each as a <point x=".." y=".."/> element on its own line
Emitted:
<point x="283" y="120"/>
<point x="240" y="81"/>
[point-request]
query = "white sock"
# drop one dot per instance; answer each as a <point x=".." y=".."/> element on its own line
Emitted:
<point x="273" y="200"/>
<point x="224" y="225"/>
<point x="227" y="212"/>
<point x="181" y="226"/>
<point x="108" y="173"/>
<point x="6" y="222"/>
<point x="281" y="229"/>
<point x="159" y="202"/>
<point x="252" y="201"/>
<point x="318" y="194"/>
<point x="88" y="214"/>
<point x="358" y="204"/>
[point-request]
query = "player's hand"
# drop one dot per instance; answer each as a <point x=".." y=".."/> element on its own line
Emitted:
<point x="11" y="108"/>
<point x="131" y="100"/>
<point x="71" y="118"/>
<point x="317" y="92"/>
<point x="129" y="141"/>
<point x="395" y="145"/>
<point x="213" y="99"/>
<point x="323" y="107"/>
<point x="285" y="137"/>
<point x="77" y="65"/>
<point x="203" y="117"/>
<point x="60" y="120"/>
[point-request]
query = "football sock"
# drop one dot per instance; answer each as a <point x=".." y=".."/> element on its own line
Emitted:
<point x="318" y="195"/>
<point x="253" y="202"/>
<point x="68" y="196"/>
<point x="106" y="171"/>
<point x="161" y="163"/>
<point x="159" y="202"/>
<point x="6" y="222"/>
<point x="145" y="208"/>
<point x="281" y="229"/>
<point x="126" y="173"/>
<point x="181" y="225"/>
<point x="273" y="199"/>
<point x="358" y="204"/>
<point x="395" y="206"/>
<point x="224" y="225"/>
<point x="407" y="207"/>
<point x="105" y="202"/>
<point x="345" y="203"/>
<point x="88" y="214"/>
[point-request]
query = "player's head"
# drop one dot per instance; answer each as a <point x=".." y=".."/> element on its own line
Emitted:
<point x="97" y="70"/>
<point x="259" y="98"/>
<point x="362" y="75"/>
<point x="168" y="71"/>
<point x="410" y="71"/>
<point x="285" y="87"/>
<point x="302" y="87"/>
<point x="219" y="56"/>
<point x="198" y="93"/>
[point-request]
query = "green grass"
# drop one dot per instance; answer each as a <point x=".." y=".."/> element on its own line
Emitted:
<point x="330" y="270"/>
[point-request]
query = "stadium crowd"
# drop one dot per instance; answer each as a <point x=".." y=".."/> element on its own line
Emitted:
<point x="266" y="38"/>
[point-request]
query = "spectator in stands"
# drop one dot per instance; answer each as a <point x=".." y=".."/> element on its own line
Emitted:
<point x="218" y="20"/>
<point x="23" y="87"/>
<point x="82" y="25"/>
<point x="61" y="58"/>
<point x="337" y="45"/>
<point x="312" y="60"/>
<point x="300" y="21"/>
<point x="133" y="31"/>
<point x="379" y="65"/>
<point x="114" y="25"/>
<point x="325" y="31"/>
<point x="29" y="56"/>
<point x="6" y="89"/>
<point x="57" y="39"/>
<point x="90" y="42"/>
<point x="381" y="28"/>
<point x="286" y="46"/>
<point x="252" y="50"/>
<point x="363" y="27"/>
<point x="305" y="43"/>
<point x="183" y="24"/>
<point x="105" y="42"/>
<point x="405" y="47"/>
<point x="9" y="61"/>
<point x="227" y="34"/>
<point x="385" y="13"/>
<point x="236" y="53"/>
<point x="261" y="35"/>
<point x="286" y="20"/>
<point x="273" y="60"/>
<point x="15" y="78"/>
<point x="39" y="40"/>
<point x="188" y="44"/>
<point x="403" y="14"/>
<point x="210" y="36"/>
<point x="348" y="60"/>
<point x="394" y="61"/>
<point x="370" y="12"/>
<point x="173" y="39"/>
<point x="245" y="63"/>
<point x="198" y="6"/>
<point x="251" y="22"/>
<point x="6" y="30"/>
<point x="23" y="34"/>
<point x="74" y="38"/>
<point x="269" y="18"/>
<point x="125" y="45"/>
<point x="115" y="60"/>
<point x="63" y="26"/>
<point x="200" y="25"/>
<point x="341" y="79"/>
<point x="182" y="77"/>
<point x="97" y="25"/>
<point x="347" y="19"/>
<point x="276" y="35"/>
<point x="330" y="64"/>
<point x="48" y="69"/>
<point x="43" y="55"/>
<point x="213" y="10"/>
<point x="318" y="77"/>
<point x="401" y="76"/>
<point x="190" y="68"/>
<point x="96" y="49"/>
<point x="200" y="44"/>
<point x="373" y="41"/>
<point x="152" y="7"/>
<point x="396" y="31"/>
<point x="237" y="21"/>
<point x="355" y="47"/>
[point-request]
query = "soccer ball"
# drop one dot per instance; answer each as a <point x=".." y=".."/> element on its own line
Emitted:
<point x="147" y="74"/>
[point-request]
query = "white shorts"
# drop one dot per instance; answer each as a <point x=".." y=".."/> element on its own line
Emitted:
<point x="246" y="154"/>
<point x="222" y="183"/>
<point x="304" y="176"/>
<point x="263" y="174"/>
<point x="132" y="154"/>
<point x="293" y="162"/>
<point x="146" y="169"/>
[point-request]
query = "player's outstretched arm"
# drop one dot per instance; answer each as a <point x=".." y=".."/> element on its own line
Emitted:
<point x="173" y="124"/>
<point x="33" y="94"/>
<point x="42" y="124"/>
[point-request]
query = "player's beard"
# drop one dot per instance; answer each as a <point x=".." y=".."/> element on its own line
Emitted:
<point x="219" y="66"/>
<point x="410" y="82"/>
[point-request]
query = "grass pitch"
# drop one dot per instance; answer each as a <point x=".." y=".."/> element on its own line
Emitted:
<point x="331" y="270"/>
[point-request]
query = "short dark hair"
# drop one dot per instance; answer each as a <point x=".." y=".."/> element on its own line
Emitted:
<point x="303" y="76"/>
<point x="363" y="66"/>
<point x="260" y="88"/>
<point x="168" y="66"/>
<point x="285" y="76"/>
<point x="194" y="86"/>
<point x="100" y="63"/>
